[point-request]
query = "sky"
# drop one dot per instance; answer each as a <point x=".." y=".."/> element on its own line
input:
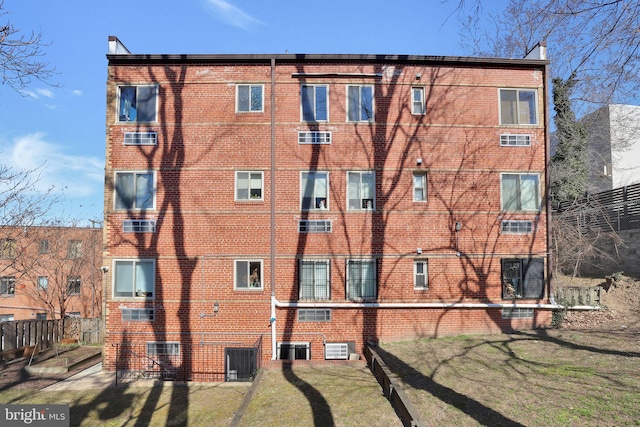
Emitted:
<point x="60" y="126"/>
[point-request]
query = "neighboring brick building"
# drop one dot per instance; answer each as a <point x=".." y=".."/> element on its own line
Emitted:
<point x="50" y="272"/>
<point x="299" y="206"/>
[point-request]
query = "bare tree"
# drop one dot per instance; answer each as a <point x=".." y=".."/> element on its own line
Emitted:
<point x="21" y="56"/>
<point x="58" y="264"/>
<point x="596" y="41"/>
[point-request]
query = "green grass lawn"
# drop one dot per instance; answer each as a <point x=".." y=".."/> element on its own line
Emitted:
<point x="534" y="378"/>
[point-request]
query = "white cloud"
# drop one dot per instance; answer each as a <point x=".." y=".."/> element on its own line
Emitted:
<point x="39" y="93"/>
<point x="76" y="92"/>
<point x="45" y="92"/>
<point x="73" y="175"/>
<point x="232" y="15"/>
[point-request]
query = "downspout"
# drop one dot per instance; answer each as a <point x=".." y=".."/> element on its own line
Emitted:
<point x="547" y="182"/>
<point x="273" y="209"/>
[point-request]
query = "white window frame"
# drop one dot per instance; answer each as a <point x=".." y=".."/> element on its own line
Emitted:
<point x="418" y="106"/>
<point x="518" y="112"/>
<point x="519" y="200"/>
<point x="315" y="102"/>
<point x="134" y="292"/>
<point x="134" y="207"/>
<point x="292" y="346"/>
<point x="423" y="188"/>
<point x="371" y="116"/>
<point x="317" y="198"/>
<point x="425" y="273"/>
<point x="251" y="86"/>
<point x="137" y="86"/>
<point x="248" y="286"/>
<point x="250" y="181"/>
<point x="43" y="283"/>
<point x="314" y="137"/>
<point x="315" y="288"/>
<point x="361" y="295"/>
<point x="363" y="204"/>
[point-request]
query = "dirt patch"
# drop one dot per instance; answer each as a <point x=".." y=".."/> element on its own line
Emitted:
<point x="13" y="374"/>
<point x="621" y="305"/>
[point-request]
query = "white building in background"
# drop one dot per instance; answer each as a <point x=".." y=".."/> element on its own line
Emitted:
<point x="614" y="142"/>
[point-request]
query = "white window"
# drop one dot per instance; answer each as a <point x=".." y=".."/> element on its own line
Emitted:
<point x="249" y="98"/>
<point x="249" y="185"/>
<point x="43" y="282"/>
<point x="134" y="278"/>
<point x="139" y="226"/>
<point x="315" y="279"/>
<point x="361" y="279"/>
<point x="516" y="226"/>
<point x="520" y="192"/>
<point x="419" y="186"/>
<point x="6" y="318"/>
<point x="7" y="286"/>
<point x="293" y="351"/>
<point x="314" y="192"/>
<point x="417" y="101"/>
<point x="73" y="285"/>
<point x="137" y="103"/>
<point x="135" y="190"/>
<point x="360" y="103"/>
<point x="163" y="348"/>
<point x="361" y="190"/>
<point x="140" y="138"/>
<point x="314" y="100"/>
<point x="421" y="274"/>
<point x="248" y="274"/>
<point x="518" y="107"/>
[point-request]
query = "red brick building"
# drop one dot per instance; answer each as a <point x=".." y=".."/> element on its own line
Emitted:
<point x="49" y="272"/>
<point x="304" y="205"/>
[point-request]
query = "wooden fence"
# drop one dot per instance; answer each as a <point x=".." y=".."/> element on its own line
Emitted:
<point x="392" y="389"/>
<point x="579" y="295"/>
<point x="44" y="334"/>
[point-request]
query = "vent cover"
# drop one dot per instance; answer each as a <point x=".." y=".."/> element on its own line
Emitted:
<point x="139" y="226"/>
<point x="314" y="226"/>
<point x="140" y="138"/>
<point x="515" y="140"/>
<point x="336" y="351"/>
<point x="314" y="137"/>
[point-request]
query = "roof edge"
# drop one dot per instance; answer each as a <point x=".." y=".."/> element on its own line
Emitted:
<point x="123" y="59"/>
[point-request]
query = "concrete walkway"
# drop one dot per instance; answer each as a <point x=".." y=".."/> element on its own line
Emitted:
<point x="91" y="378"/>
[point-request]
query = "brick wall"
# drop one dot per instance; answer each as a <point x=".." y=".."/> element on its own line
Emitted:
<point x="202" y="229"/>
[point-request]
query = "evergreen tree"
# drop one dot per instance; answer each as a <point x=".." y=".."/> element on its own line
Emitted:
<point x="569" y="164"/>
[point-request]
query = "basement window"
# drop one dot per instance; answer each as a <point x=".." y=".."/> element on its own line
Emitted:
<point x="294" y="351"/>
